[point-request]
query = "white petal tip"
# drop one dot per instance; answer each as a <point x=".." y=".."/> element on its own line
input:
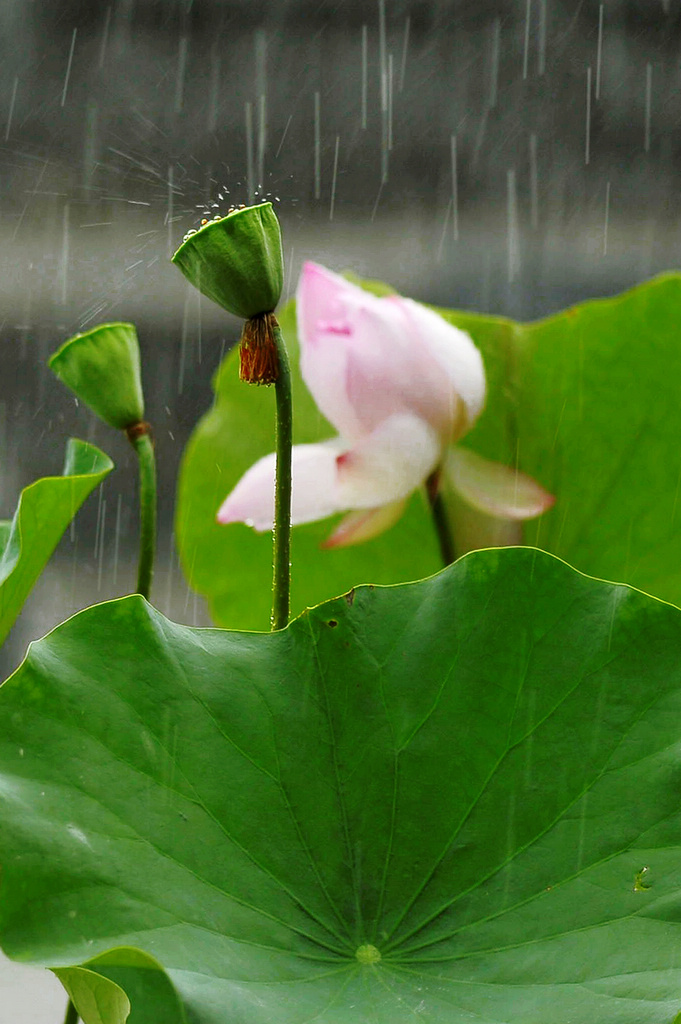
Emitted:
<point x="228" y="513"/>
<point x="496" y="489"/>
<point x="359" y="526"/>
<point x="224" y="516"/>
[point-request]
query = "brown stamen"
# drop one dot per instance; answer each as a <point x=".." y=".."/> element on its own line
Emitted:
<point x="258" y="351"/>
<point x="138" y="429"/>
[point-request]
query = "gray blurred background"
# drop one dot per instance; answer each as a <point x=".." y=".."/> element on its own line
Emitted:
<point x="511" y="156"/>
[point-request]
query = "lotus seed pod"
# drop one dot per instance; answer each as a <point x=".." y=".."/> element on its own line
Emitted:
<point x="237" y="260"/>
<point x="102" y="367"/>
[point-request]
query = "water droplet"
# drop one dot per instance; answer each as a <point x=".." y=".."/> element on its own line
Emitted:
<point x="640" y="884"/>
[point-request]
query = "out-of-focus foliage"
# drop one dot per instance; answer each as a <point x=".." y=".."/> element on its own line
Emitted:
<point x="232" y="565"/>
<point x="585" y="402"/>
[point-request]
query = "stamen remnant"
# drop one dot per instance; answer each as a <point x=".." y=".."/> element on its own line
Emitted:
<point x="259" y="360"/>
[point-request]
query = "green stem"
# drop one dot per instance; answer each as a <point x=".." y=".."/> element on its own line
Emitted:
<point x="440" y="520"/>
<point x="144" y="446"/>
<point x="281" y="584"/>
<point x="71" y="1014"/>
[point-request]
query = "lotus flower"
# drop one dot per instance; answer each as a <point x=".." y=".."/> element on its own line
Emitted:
<point x="401" y="386"/>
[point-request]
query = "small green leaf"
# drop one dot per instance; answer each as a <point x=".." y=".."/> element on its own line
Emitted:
<point x="97" y="999"/>
<point x="44" y="510"/>
<point x="429" y="801"/>
<point x="102" y="367"/>
<point x="150" y="993"/>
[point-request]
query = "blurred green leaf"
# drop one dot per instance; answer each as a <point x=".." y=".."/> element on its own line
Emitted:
<point x="44" y="510"/>
<point x="584" y="402"/>
<point x="469" y="774"/>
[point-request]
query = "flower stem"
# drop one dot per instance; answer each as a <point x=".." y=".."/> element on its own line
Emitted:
<point x="71" y="1014"/>
<point x="281" y="584"/>
<point x="440" y="520"/>
<point x="139" y="436"/>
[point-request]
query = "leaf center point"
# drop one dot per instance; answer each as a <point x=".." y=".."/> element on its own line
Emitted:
<point x="367" y="954"/>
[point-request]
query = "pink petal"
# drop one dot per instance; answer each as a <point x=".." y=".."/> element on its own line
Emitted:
<point x="494" y="488"/>
<point x="388" y="464"/>
<point x="322" y="325"/>
<point x="314" y="476"/>
<point x="454" y="352"/>
<point x="357" y="527"/>
<point x="365" y="359"/>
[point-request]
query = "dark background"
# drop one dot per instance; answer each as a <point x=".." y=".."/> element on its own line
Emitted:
<point x="121" y="123"/>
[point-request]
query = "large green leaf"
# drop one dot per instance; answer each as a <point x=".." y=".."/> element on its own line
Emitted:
<point x="584" y="402"/>
<point x="478" y="774"/>
<point x="44" y="510"/>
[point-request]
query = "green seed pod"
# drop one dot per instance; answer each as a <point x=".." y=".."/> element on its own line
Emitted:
<point x="237" y="261"/>
<point x="102" y="367"/>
